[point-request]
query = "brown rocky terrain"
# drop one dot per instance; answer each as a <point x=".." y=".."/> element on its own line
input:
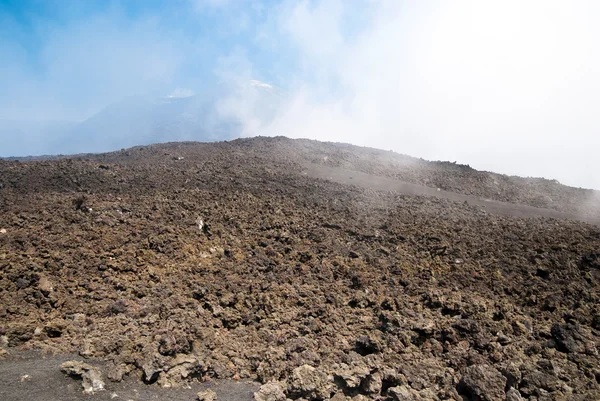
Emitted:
<point x="191" y="262"/>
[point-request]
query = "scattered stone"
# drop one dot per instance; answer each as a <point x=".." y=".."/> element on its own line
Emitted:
<point x="119" y="306"/>
<point x="569" y="338"/>
<point x="207" y="395"/>
<point x="533" y="381"/>
<point x="79" y="319"/>
<point x="503" y="338"/>
<point x="45" y="286"/>
<point x="271" y="391"/>
<point x="92" y="378"/>
<point x="202" y="226"/>
<point x="2" y="230"/>
<point x="365" y="345"/>
<point x="55" y="328"/>
<point x="513" y="375"/>
<point x="179" y="369"/>
<point x="25" y="378"/>
<point x="152" y="366"/>
<point x="482" y="383"/>
<point x="513" y="395"/>
<point x="310" y="383"/>
<point x="352" y="376"/>
<point x="404" y="393"/>
<point x="116" y="372"/>
<point x="22" y="283"/>
<point x="373" y="383"/>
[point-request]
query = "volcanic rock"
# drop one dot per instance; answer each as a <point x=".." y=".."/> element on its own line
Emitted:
<point x="482" y="383"/>
<point x="91" y="376"/>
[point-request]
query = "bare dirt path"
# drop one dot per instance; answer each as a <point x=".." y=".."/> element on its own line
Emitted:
<point x="364" y="180"/>
<point x="30" y="376"/>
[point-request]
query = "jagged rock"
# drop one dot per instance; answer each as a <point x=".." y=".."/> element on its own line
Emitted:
<point x="353" y="375"/>
<point x="177" y="370"/>
<point x="513" y="395"/>
<point x="271" y="391"/>
<point x="310" y="383"/>
<point x="428" y="394"/>
<point x="373" y="383"/>
<point x="424" y="327"/>
<point x="79" y="319"/>
<point x="503" y="338"/>
<point x="569" y="338"/>
<point x="183" y="365"/>
<point x="92" y="377"/>
<point x="404" y="393"/>
<point x="513" y="374"/>
<point x="533" y="381"/>
<point x="45" y="286"/>
<point x="87" y="349"/>
<point x="152" y="365"/>
<point x="339" y="397"/>
<point x="366" y="345"/>
<point x="482" y="383"/>
<point x="55" y="328"/>
<point x="115" y="372"/>
<point x="207" y="395"/>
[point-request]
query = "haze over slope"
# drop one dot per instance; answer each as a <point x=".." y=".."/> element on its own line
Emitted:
<point x="143" y="120"/>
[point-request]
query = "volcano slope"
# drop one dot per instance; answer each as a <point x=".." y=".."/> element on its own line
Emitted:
<point x="189" y="262"/>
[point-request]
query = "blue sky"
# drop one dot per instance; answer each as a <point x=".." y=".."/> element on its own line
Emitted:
<point x="508" y="86"/>
<point x="55" y="49"/>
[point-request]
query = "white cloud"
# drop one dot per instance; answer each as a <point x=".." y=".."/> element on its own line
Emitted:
<point x="182" y="93"/>
<point x="85" y="65"/>
<point x="506" y="86"/>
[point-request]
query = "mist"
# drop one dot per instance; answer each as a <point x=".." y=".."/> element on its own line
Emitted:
<point x="504" y="86"/>
<point x="510" y="87"/>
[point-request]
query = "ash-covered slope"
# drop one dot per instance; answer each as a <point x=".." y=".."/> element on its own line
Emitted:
<point x="191" y="261"/>
<point x="452" y="177"/>
<point x="537" y="192"/>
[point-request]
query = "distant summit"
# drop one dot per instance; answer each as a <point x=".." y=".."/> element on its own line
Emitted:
<point x="183" y="115"/>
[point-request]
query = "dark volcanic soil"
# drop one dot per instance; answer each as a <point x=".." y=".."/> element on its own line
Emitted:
<point x="332" y="290"/>
<point x="31" y="376"/>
